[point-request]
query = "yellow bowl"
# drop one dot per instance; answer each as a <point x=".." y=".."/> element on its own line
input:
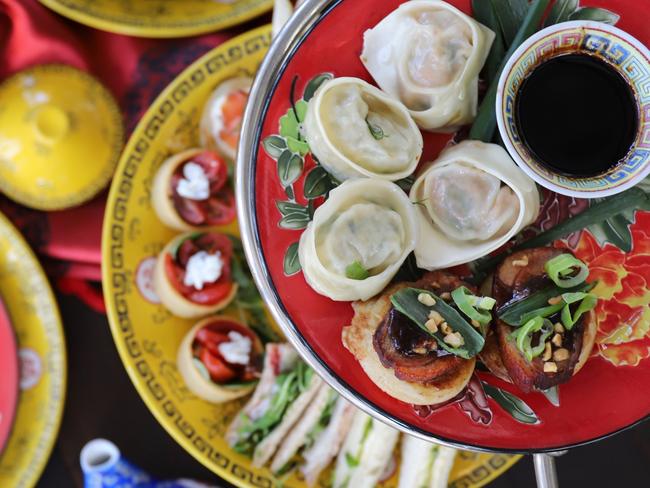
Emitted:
<point x="147" y="336"/>
<point x="61" y="134"/>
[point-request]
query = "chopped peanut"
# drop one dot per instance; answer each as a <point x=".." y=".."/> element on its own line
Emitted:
<point x="426" y="299"/>
<point x="420" y="350"/>
<point x="476" y="323"/>
<point x="550" y="367"/>
<point x="431" y="326"/>
<point x="559" y="328"/>
<point x="444" y="327"/>
<point x="547" y="352"/>
<point x="445" y="295"/>
<point x="561" y="354"/>
<point x="521" y="263"/>
<point x="436" y="317"/>
<point x="554" y="300"/>
<point x="557" y="340"/>
<point x="454" y="339"/>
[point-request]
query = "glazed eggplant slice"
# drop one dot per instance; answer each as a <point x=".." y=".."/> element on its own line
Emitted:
<point x="398" y="356"/>
<point x="560" y="351"/>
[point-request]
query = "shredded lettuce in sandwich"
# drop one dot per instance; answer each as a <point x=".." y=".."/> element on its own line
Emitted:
<point x="323" y="421"/>
<point x="288" y="386"/>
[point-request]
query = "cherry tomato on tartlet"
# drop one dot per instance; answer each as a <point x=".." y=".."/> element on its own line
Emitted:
<point x="190" y="191"/>
<point x="220" y="359"/>
<point x="193" y="275"/>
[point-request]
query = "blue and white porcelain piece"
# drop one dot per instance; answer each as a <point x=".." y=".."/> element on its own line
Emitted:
<point x="104" y="467"/>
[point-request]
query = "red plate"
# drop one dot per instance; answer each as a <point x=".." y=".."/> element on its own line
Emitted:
<point x="608" y="395"/>
<point x="8" y="375"/>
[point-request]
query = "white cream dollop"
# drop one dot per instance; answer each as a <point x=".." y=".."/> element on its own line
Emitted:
<point x="195" y="184"/>
<point x="203" y="268"/>
<point x="237" y="350"/>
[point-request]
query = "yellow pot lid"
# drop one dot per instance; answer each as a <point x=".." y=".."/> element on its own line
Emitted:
<point x="61" y="134"/>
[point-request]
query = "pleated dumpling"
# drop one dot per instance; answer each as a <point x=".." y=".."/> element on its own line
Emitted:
<point x="428" y="55"/>
<point x="358" y="239"/>
<point x="356" y="130"/>
<point x="471" y="201"/>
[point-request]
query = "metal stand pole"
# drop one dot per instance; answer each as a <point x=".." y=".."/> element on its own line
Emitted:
<point x="545" y="473"/>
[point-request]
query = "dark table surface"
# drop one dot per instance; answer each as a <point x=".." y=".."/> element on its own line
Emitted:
<point x="102" y="402"/>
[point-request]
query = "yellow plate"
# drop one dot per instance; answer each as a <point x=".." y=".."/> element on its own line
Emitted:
<point x="41" y="349"/>
<point x="61" y="134"/>
<point x="159" y="18"/>
<point x="147" y="336"/>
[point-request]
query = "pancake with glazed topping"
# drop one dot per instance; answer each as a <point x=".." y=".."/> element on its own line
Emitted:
<point x="399" y="357"/>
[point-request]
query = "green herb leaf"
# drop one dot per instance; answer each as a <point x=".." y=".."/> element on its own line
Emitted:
<point x="375" y="131"/>
<point x="287" y="388"/>
<point x="485" y="122"/>
<point x="291" y="263"/>
<point x="510" y="15"/>
<point x="274" y="146"/>
<point x="356" y="271"/>
<point x="561" y="11"/>
<point x="290" y="167"/>
<point x="318" y="182"/>
<point x="351" y="461"/>
<point x="406" y="301"/>
<point x="595" y="14"/>
<point x="512" y="404"/>
<point x="314" y="84"/>
<point x="406" y="183"/>
<point x="515" y="312"/>
<point x="483" y="11"/>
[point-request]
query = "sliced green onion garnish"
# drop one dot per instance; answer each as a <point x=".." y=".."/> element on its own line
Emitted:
<point x="356" y="271"/>
<point x="524" y="336"/>
<point x="467" y="302"/>
<point x="587" y="302"/>
<point x="542" y="312"/>
<point x="514" y="313"/>
<point x="565" y="265"/>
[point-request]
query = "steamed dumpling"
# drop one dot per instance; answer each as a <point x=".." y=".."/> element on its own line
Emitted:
<point x="366" y="225"/>
<point x="428" y="55"/>
<point x="471" y="201"/>
<point x="356" y="130"/>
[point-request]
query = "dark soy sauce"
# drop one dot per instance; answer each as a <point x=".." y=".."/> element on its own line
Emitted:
<point x="577" y="115"/>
